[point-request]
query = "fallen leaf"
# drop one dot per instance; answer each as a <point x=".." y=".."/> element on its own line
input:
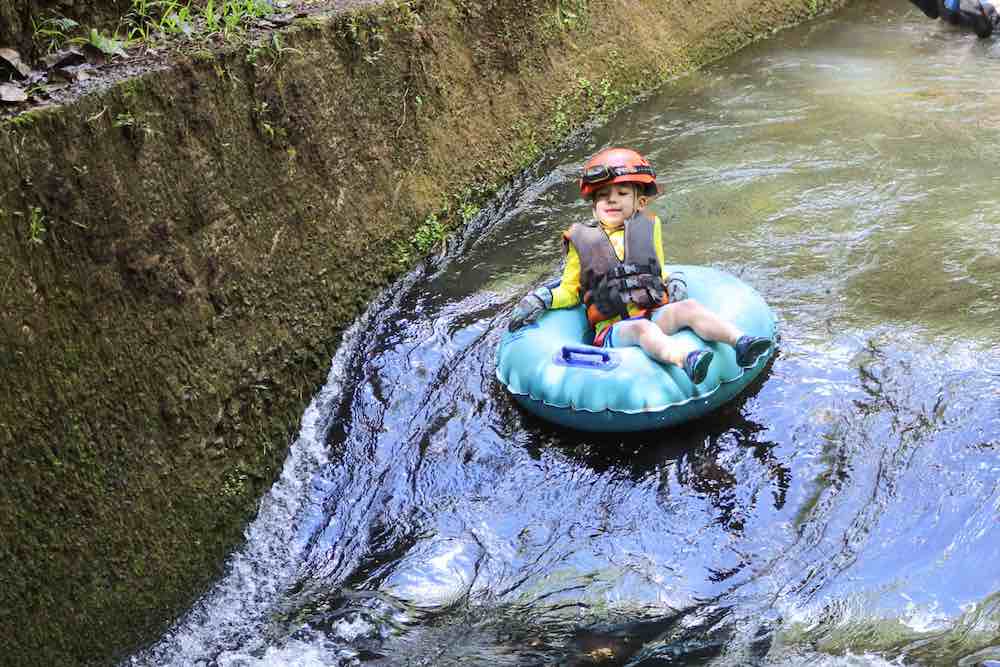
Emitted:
<point x="276" y="20"/>
<point x="12" y="59"/>
<point x="70" y="73"/>
<point x="64" y="58"/>
<point x="12" y="94"/>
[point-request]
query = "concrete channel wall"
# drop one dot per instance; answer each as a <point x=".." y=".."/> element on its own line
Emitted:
<point x="181" y="247"/>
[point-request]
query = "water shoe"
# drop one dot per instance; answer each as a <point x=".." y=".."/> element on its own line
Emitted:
<point x="748" y="348"/>
<point x="696" y="365"/>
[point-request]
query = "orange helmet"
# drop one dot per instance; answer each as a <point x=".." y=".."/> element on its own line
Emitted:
<point x="618" y="165"/>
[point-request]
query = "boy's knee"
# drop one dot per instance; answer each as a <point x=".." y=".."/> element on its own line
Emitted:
<point x="687" y="309"/>
<point x="645" y="331"/>
<point x="645" y="327"/>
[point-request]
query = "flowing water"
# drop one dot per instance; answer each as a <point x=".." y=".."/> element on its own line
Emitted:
<point x="846" y="511"/>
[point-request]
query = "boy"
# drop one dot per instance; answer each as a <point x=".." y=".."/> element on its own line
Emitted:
<point x="615" y="265"/>
<point x="978" y="15"/>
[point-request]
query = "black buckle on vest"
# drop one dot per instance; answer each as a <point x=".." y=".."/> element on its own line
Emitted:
<point x="626" y="270"/>
<point x="632" y="269"/>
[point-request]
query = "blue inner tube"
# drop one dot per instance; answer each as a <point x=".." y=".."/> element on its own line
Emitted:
<point x="553" y="372"/>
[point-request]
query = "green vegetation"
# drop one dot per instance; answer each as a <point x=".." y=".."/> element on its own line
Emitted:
<point x="435" y="228"/>
<point x="209" y="17"/>
<point x="428" y="234"/>
<point x="109" y="46"/>
<point x="571" y="14"/>
<point x="361" y="32"/>
<point x="125" y="119"/>
<point x="23" y="120"/>
<point x="271" y="52"/>
<point x="588" y="100"/>
<point x="133" y="126"/>
<point x="146" y="18"/>
<point x="149" y="20"/>
<point x="56" y="32"/>
<point x="154" y="21"/>
<point x="177" y="21"/>
<point x="53" y="33"/>
<point x="267" y="129"/>
<point x="235" y="484"/>
<point x="34" y="225"/>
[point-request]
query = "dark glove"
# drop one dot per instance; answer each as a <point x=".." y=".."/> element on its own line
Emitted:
<point x="992" y="19"/>
<point x="530" y="307"/>
<point x="677" y="287"/>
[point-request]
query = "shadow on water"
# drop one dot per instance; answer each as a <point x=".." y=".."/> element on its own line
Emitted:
<point x="642" y="451"/>
<point x="692" y="454"/>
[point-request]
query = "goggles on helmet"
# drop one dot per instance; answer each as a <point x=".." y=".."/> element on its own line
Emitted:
<point x="602" y="172"/>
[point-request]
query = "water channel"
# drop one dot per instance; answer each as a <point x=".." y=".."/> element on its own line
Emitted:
<point x="845" y="512"/>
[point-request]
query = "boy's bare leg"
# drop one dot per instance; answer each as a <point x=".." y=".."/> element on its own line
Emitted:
<point x="652" y="340"/>
<point x="689" y="313"/>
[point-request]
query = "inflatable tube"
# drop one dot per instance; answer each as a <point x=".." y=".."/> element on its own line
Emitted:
<point x="551" y="370"/>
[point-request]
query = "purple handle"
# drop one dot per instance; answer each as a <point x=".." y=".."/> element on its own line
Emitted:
<point x="586" y="356"/>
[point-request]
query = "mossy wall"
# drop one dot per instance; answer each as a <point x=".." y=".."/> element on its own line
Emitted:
<point x="179" y="253"/>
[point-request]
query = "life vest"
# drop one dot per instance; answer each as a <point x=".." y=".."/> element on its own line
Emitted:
<point x="609" y="284"/>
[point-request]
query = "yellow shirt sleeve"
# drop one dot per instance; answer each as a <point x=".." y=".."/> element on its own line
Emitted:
<point x="568" y="292"/>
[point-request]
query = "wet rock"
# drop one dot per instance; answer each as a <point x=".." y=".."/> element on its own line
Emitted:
<point x="95" y="56"/>
<point x="55" y="87"/>
<point x="11" y="94"/>
<point x="64" y="58"/>
<point x="10" y="60"/>
<point x="280" y="20"/>
<point x="70" y="74"/>
<point x="36" y="76"/>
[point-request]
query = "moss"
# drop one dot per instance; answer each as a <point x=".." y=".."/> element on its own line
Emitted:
<point x="23" y="120"/>
<point x="202" y="56"/>
<point x="311" y="22"/>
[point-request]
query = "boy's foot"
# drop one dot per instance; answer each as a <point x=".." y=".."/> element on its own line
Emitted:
<point x="748" y="348"/>
<point x="696" y="365"/>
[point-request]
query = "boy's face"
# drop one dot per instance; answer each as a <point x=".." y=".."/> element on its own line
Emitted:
<point x="616" y="202"/>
